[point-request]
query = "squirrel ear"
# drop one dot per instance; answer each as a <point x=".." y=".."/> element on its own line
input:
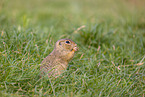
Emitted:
<point x="60" y="43"/>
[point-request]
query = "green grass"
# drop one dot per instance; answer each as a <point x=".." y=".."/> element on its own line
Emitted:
<point x="111" y="56"/>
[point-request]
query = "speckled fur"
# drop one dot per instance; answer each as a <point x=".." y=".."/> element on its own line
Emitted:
<point x="57" y="61"/>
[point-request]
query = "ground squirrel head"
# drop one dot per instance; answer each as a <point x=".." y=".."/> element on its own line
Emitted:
<point x="65" y="49"/>
<point x="66" y="45"/>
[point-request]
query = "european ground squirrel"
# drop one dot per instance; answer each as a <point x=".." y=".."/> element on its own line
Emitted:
<point x="57" y="61"/>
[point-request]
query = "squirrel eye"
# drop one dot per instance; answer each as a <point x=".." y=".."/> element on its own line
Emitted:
<point x="67" y="42"/>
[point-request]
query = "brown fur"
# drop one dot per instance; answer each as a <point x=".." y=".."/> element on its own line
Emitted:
<point x="57" y="61"/>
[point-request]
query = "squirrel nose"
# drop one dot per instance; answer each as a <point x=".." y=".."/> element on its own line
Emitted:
<point x="75" y="44"/>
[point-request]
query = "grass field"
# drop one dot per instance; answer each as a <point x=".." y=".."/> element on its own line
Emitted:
<point x="111" y="57"/>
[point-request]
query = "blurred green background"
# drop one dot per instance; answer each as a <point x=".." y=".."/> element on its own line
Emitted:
<point x="110" y="35"/>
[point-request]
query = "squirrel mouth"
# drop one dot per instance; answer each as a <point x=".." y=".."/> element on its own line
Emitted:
<point x="75" y="48"/>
